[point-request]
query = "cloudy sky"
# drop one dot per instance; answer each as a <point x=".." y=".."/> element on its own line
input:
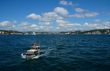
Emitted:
<point x="54" y="15"/>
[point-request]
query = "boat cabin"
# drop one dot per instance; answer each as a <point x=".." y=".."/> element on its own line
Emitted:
<point x="31" y="52"/>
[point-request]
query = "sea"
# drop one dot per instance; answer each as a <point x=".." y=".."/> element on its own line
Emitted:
<point x="62" y="52"/>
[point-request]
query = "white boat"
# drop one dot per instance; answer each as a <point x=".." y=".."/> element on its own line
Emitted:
<point x="32" y="53"/>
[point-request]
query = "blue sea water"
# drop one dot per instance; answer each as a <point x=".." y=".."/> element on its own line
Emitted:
<point x="64" y="53"/>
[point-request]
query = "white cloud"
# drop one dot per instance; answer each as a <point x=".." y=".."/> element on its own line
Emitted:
<point x="77" y="15"/>
<point x="47" y="28"/>
<point x="64" y="2"/>
<point x="85" y="15"/>
<point x="26" y="26"/>
<point x="55" y="20"/>
<point x="33" y="26"/>
<point x="34" y="16"/>
<point x="6" y="24"/>
<point x="97" y="20"/>
<point x="80" y="10"/>
<point x="61" y="11"/>
<point x="66" y="24"/>
<point x="91" y="14"/>
<point x="47" y="23"/>
<point x="86" y="26"/>
<point x="98" y="25"/>
<point x="50" y="16"/>
<point x="61" y="25"/>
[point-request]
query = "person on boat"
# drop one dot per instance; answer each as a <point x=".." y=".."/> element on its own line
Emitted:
<point x="35" y="46"/>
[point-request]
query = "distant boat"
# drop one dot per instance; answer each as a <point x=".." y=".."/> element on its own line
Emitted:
<point x="32" y="53"/>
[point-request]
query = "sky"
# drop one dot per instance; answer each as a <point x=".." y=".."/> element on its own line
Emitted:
<point x="54" y="15"/>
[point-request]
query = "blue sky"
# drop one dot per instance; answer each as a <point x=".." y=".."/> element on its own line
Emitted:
<point x="54" y="15"/>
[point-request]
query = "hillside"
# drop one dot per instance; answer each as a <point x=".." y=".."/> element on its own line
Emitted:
<point x="96" y="31"/>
